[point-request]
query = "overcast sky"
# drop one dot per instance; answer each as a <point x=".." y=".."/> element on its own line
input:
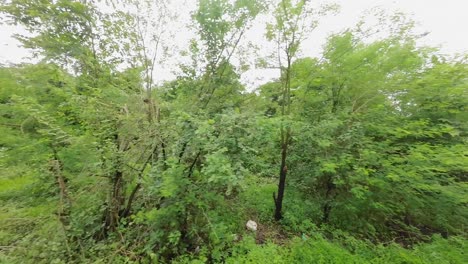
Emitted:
<point x="446" y="21"/>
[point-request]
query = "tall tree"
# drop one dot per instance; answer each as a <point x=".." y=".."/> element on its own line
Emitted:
<point x="293" y="20"/>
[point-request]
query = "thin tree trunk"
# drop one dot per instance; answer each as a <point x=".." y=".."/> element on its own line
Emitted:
<point x="327" y="206"/>
<point x="285" y="138"/>
<point x="282" y="181"/>
<point x="56" y="168"/>
<point x="63" y="211"/>
<point x="116" y="201"/>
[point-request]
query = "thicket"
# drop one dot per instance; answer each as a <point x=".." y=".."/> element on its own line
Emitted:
<point x="355" y="157"/>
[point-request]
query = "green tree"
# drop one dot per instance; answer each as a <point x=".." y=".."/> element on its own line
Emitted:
<point x="293" y="20"/>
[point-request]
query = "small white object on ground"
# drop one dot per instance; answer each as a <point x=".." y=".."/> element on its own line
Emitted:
<point x="251" y="225"/>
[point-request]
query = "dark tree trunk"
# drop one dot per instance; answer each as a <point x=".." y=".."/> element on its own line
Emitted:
<point x="116" y="199"/>
<point x="116" y="202"/>
<point x="327" y="207"/>
<point x="164" y="156"/>
<point x="153" y="154"/>
<point x="282" y="181"/>
<point x="285" y="137"/>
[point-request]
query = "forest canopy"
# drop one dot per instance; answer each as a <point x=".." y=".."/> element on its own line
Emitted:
<point x="356" y="156"/>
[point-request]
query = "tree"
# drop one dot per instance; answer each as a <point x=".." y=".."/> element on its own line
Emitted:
<point x="293" y="21"/>
<point x="360" y="129"/>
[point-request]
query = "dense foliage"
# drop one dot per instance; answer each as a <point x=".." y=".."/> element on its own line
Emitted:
<point x="363" y="149"/>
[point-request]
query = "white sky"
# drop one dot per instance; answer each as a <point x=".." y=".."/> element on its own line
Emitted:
<point x="447" y="22"/>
